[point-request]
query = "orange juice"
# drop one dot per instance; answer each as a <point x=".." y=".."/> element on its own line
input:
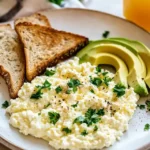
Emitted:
<point x="138" y="11"/>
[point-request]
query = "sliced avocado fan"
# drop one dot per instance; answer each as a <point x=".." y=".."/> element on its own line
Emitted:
<point x="127" y="54"/>
<point x="143" y="51"/>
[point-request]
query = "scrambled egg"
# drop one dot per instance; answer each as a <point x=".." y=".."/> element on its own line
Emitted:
<point x="70" y="109"/>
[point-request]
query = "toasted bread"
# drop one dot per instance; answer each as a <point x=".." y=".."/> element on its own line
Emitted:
<point x="12" y="63"/>
<point x="45" y="47"/>
<point x="38" y="19"/>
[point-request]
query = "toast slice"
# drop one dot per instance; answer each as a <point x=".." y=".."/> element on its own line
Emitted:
<point x="45" y="47"/>
<point x="37" y="18"/>
<point x="12" y="63"/>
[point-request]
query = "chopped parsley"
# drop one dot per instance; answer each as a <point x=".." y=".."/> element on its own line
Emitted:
<point x="39" y="113"/>
<point x="92" y="91"/>
<point x="98" y="69"/>
<point x="74" y="83"/>
<point x="92" y="116"/>
<point x="75" y="105"/>
<point x="49" y="72"/>
<point x="5" y="104"/>
<point x="104" y="73"/>
<point x="106" y="80"/>
<point x="39" y="93"/>
<point x="148" y="105"/>
<point x="146" y="127"/>
<point x="58" y="89"/>
<point x="46" y="106"/>
<point x="66" y="130"/>
<point x="79" y="120"/>
<point x="84" y="133"/>
<point x="57" y="2"/>
<point x="95" y="128"/>
<point x="68" y="91"/>
<point x="54" y="117"/>
<point x="119" y="89"/>
<point x="96" y="81"/>
<point x="141" y="106"/>
<point x="105" y="34"/>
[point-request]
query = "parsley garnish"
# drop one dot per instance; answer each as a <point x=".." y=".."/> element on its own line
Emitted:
<point x="98" y="69"/>
<point x="66" y="130"/>
<point x="75" y="105"/>
<point x="119" y="89"/>
<point x="79" y="119"/>
<point x="104" y="73"/>
<point x="96" y="81"/>
<point x="148" y="105"/>
<point x="105" y="34"/>
<point x="106" y="80"/>
<point x="58" y="89"/>
<point x="141" y="106"/>
<point x="49" y="72"/>
<point x="92" y="91"/>
<point x="54" y="117"/>
<point x="68" y="91"/>
<point x="39" y="93"/>
<point x="39" y="113"/>
<point x="91" y="117"/>
<point x="146" y="127"/>
<point x="84" y="133"/>
<point x="5" y="104"/>
<point x="95" y="128"/>
<point x="58" y="2"/>
<point x="47" y="105"/>
<point x="74" y="83"/>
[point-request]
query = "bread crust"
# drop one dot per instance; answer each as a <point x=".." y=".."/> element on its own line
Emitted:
<point x="68" y="52"/>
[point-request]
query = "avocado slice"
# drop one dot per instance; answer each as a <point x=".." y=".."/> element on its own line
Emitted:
<point x="107" y="59"/>
<point x="93" y="44"/>
<point x="143" y="51"/>
<point x="132" y="61"/>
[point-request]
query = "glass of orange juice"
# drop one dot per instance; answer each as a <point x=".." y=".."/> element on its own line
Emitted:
<point x="138" y="11"/>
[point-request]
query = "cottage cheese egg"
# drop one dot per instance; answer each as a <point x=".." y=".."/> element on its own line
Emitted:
<point x="73" y="106"/>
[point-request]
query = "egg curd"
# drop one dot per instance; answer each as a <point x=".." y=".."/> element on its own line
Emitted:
<point x="74" y="106"/>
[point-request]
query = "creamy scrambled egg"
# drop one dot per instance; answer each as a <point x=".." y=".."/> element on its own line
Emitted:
<point x="73" y="108"/>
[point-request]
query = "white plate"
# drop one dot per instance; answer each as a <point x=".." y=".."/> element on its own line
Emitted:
<point x="91" y="24"/>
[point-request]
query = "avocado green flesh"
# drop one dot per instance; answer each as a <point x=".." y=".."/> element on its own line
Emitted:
<point x="93" y="44"/>
<point x="132" y="61"/>
<point x="110" y="59"/>
<point x="143" y="51"/>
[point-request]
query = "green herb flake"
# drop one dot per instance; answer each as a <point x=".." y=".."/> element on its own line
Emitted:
<point x="104" y="73"/>
<point x="146" y="127"/>
<point x="49" y="72"/>
<point x="75" y="105"/>
<point x="5" y="104"/>
<point x="79" y="120"/>
<point x="54" y="117"/>
<point x="106" y="80"/>
<point x="58" y="89"/>
<point x="37" y="95"/>
<point x="39" y="113"/>
<point x="46" y="106"/>
<point x="141" y="106"/>
<point x="66" y="130"/>
<point x="119" y="89"/>
<point x="148" y="105"/>
<point x="101" y="112"/>
<point x="84" y="133"/>
<point x="57" y="2"/>
<point x="68" y="91"/>
<point x="92" y="91"/>
<point x="105" y="34"/>
<point x="73" y="83"/>
<point x="98" y="69"/>
<point x="95" y="128"/>
<point x="46" y="85"/>
<point x="96" y="81"/>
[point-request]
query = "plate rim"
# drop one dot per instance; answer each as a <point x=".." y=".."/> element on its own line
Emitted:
<point x="13" y="146"/>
